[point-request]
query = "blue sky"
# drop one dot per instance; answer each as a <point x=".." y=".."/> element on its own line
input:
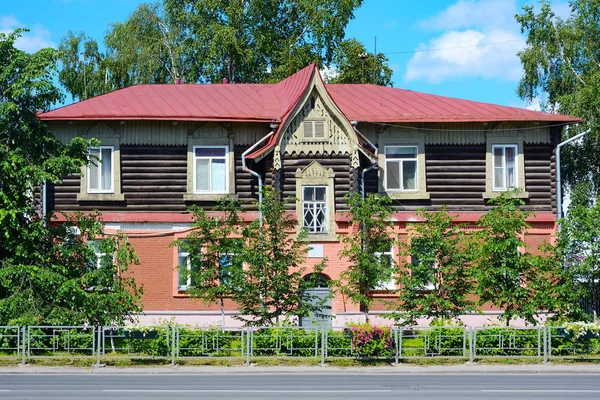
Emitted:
<point x="459" y="48"/>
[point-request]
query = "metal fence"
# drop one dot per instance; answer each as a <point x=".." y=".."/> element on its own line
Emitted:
<point x="10" y="341"/>
<point x="507" y="342"/>
<point x="319" y="343"/>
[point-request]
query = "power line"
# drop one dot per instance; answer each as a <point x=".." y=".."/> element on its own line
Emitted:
<point x="452" y="48"/>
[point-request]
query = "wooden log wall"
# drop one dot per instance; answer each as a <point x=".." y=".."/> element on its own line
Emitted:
<point x="153" y="178"/>
<point x="344" y="181"/>
<point x="455" y="177"/>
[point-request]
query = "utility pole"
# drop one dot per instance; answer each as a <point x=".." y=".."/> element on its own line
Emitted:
<point x="363" y="57"/>
<point x="374" y="63"/>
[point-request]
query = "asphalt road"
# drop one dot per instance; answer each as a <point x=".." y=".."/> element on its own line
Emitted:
<point x="290" y="386"/>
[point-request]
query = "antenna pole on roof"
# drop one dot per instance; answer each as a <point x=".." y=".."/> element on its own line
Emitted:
<point x="374" y="58"/>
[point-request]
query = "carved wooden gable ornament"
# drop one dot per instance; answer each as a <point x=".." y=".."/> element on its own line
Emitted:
<point x="317" y="127"/>
<point x="315" y="170"/>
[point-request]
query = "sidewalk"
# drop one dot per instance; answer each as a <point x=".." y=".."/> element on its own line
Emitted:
<point x="399" y="369"/>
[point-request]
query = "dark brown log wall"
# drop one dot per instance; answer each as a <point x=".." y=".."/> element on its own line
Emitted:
<point x="344" y="181"/>
<point x="153" y="178"/>
<point x="456" y="178"/>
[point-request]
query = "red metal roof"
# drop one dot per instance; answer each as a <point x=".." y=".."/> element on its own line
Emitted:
<point x="371" y="103"/>
<point x="273" y="102"/>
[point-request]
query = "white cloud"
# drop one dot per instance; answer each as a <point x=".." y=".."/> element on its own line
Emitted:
<point x="37" y="38"/>
<point x="473" y="13"/>
<point x="329" y="73"/>
<point x="479" y="38"/>
<point x="470" y="52"/>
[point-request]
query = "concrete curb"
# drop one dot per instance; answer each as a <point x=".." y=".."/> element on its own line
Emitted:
<point x="400" y="369"/>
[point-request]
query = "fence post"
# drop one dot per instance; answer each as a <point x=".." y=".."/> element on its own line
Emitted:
<point x="248" y="344"/>
<point x="545" y="345"/>
<point x="464" y="342"/>
<point x="173" y="345"/>
<point x="98" y="334"/>
<point x="323" y="338"/>
<point x="396" y="345"/>
<point x="473" y="343"/>
<point x="23" y="347"/>
<point x="400" y="343"/>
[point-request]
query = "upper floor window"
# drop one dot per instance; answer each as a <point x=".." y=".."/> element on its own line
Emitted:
<point x="100" y="171"/>
<point x="401" y="168"/>
<point x="211" y="169"/>
<point x="314" y="208"/>
<point x="505" y="166"/>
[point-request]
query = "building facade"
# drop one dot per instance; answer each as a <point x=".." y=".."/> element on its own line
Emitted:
<point x="166" y="147"/>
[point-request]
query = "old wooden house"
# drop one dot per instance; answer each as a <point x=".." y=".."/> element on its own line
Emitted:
<point x="166" y="147"/>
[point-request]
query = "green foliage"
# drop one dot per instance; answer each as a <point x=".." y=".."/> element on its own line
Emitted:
<point x="215" y="248"/>
<point x="354" y="64"/>
<point x="273" y="286"/>
<point x="151" y="46"/>
<point x="578" y="251"/>
<point x="561" y="62"/>
<point x="436" y="283"/>
<point x="44" y="274"/>
<point x="508" y="342"/>
<point x="292" y="342"/>
<point x="213" y="342"/>
<point x="206" y="41"/>
<point x="507" y="275"/>
<point x="367" y="268"/>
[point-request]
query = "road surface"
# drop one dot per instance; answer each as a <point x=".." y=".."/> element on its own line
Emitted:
<point x="291" y="386"/>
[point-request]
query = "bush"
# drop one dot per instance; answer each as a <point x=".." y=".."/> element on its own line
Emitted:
<point x="372" y="341"/>
<point x="508" y="342"/>
<point x="212" y="342"/>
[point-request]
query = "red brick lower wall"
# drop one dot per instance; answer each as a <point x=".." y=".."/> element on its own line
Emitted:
<point x="157" y="270"/>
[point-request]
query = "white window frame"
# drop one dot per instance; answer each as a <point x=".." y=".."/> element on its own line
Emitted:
<point x="99" y="166"/>
<point x="227" y="171"/>
<point x="391" y="283"/>
<point x="181" y="254"/>
<point x="325" y="225"/>
<point x="504" y="187"/>
<point x="401" y="167"/>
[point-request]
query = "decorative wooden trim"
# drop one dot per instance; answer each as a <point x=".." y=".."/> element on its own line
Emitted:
<point x="499" y="138"/>
<point x="317" y="175"/>
<point x="393" y="137"/>
<point x="107" y="137"/>
<point x="209" y="134"/>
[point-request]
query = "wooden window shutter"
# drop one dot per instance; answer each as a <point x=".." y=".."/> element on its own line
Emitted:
<point x="319" y="129"/>
<point x="308" y="129"/>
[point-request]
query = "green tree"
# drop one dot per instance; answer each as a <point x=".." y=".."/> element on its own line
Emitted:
<point x="364" y="249"/>
<point x="44" y="274"/>
<point x="578" y="255"/>
<point x="436" y="283"/>
<point x="354" y="64"/>
<point x="274" y="286"/>
<point x="263" y="40"/>
<point x="149" y="47"/>
<point x="206" y="41"/>
<point x="215" y="249"/>
<point x="561" y="62"/>
<point x="506" y="274"/>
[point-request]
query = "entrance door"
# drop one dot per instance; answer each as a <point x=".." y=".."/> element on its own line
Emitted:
<point x="320" y="295"/>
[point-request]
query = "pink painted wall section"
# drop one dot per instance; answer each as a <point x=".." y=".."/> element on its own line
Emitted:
<point x="157" y="273"/>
